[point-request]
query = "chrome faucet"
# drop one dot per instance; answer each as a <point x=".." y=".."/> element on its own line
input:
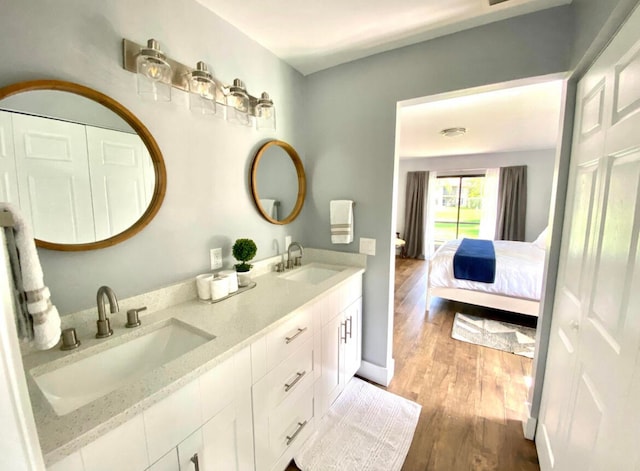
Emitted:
<point x="104" y="325"/>
<point x="298" y="259"/>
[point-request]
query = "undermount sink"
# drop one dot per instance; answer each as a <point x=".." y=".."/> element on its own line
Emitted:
<point x="311" y="273"/>
<point x="72" y="386"/>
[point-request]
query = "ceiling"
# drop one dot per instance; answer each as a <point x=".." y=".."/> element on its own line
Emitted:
<point x="513" y="119"/>
<point x="312" y="35"/>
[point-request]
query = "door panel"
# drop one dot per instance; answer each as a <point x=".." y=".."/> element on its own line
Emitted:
<point x="118" y="179"/>
<point x="52" y="168"/>
<point x="589" y="417"/>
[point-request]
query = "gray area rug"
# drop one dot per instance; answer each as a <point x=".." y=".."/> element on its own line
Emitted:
<point x="366" y="429"/>
<point x="500" y="335"/>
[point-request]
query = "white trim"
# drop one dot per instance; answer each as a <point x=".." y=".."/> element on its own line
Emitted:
<point x="529" y="427"/>
<point x="378" y="374"/>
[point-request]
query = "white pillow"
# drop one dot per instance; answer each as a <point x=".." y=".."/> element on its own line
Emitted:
<point x="541" y="241"/>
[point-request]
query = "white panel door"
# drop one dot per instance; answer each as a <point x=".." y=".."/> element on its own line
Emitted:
<point x="585" y="419"/>
<point x="52" y="169"/>
<point x="118" y="167"/>
<point x="8" y="177"/>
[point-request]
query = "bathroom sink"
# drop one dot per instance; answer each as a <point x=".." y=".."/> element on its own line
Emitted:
<point x="311" y="273"/>
<point x="72" y="386"/>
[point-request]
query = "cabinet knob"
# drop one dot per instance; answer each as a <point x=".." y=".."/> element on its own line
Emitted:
<point x="575" y="325"/>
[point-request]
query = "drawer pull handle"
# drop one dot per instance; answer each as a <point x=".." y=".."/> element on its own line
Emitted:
<point x="343" y="324"/>
<point x="295" y="434"/>
<point x="293" y="337"/>
<point x="350" y="321"/>
<point x="299" y="376"/>
<point x="194" y="460"/>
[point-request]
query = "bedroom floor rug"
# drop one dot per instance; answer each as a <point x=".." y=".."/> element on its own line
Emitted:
<point x="503" y="336"/>
<point x="366" y="429"/>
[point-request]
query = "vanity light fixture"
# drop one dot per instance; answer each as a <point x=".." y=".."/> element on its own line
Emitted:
<point x="157" y="74"/>
<point x="453" y="132"/>
<point x="265" y="113"/>
<point x="238" y="103"/>
<point x="202" y="88"/>
<point x="154" y="73"/>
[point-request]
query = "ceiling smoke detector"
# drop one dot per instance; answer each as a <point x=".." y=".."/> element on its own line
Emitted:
<point x="453" y="132"/>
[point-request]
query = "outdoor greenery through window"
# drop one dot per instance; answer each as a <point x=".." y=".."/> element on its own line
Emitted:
<point x="458" y="207"/>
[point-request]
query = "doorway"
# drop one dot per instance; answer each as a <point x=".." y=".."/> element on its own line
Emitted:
<point x="544" y="164"/>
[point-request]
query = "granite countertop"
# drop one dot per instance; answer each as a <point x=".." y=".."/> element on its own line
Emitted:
<point x="236" y="322"/>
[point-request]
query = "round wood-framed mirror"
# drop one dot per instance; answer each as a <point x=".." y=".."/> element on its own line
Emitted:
<point x="74" y="117"/>
<point x="278" y="182"/>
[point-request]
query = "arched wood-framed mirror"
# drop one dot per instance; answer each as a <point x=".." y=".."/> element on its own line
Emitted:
<point x="278" y="182"/>
<point x="53" y="125"/>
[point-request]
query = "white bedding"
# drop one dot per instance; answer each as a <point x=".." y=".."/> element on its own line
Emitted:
<point x="519" y="267"/>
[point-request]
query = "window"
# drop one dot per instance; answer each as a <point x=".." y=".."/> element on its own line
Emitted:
<point x="458" y="207"/>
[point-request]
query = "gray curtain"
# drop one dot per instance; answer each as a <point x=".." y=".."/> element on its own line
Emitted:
<point x="512" y="203"/>
<point x="415" y="214"/>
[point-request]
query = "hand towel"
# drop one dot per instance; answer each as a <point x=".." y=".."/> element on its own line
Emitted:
<point x="41" y="314"/>
<point x="341" y="221"/>
<point x="270" y="207"/>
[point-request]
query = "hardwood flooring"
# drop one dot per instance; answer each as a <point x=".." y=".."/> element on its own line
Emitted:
<point x="472" y="397"/>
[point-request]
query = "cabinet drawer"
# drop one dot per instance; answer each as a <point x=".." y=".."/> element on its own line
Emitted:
<point x="288" y="337"/>
<point x="286" y="428"/>
<point x="293" y="374"/>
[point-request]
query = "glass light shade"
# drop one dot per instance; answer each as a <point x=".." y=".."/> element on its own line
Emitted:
<point x="265" y="113"/>
<point x="154" y="73"/>
<point x="238" y="104"/>
<point x="202" y="88"/>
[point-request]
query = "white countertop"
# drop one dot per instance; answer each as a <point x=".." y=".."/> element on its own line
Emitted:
<point x="236" y="322"/>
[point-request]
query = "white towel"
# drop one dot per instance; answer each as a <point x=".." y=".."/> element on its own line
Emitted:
<point x="44" y="315"/>
<point x="341" y="221"/>
<point x="270" y="207"/>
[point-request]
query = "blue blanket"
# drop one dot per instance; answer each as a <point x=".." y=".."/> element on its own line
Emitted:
<point x="475" y="260"/>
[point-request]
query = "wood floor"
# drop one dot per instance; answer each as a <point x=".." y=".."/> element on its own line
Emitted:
<point x="473" y="398"/>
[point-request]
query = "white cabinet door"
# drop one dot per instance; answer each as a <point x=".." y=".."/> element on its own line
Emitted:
<point x="353" y="347"/>
<point x="333" y="349"/>
<point x="52" y="169"/>
<point x="585" y="420"/>
<point x="228" y="438"/>
<point x="118" y="179"/>
<point x="8" y="177"/>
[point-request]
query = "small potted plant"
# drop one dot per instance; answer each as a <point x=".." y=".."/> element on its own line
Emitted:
<point x="244" y="250"/>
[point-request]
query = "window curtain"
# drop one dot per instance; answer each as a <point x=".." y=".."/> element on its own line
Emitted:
<point x="431" y="212"/>
<point x="489" y="213"/>
<point x="512" y="203"/>
<point x="414" y="217"/>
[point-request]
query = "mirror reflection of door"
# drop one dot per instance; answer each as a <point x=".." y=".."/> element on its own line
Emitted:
<point x="79" y="173"/>
<point x="277" y="182"/>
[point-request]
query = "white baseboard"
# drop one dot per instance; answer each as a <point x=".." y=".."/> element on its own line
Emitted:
<point x="378" y="374"/>
<point x="529" y="428"/>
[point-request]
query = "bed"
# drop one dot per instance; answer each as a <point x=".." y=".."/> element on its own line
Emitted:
<point x="518" y="277"/>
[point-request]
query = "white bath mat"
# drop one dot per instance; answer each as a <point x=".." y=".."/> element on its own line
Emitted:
<point x="503" y="336"/>
<point x="366" y="429"/>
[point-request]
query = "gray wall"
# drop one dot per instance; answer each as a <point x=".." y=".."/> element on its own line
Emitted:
<point x="540" y="166"/>
<point x="350" y="132"/>
<point x="208" y="202"/>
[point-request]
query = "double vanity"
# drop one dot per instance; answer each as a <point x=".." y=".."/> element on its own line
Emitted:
<point x="236" y="385"/>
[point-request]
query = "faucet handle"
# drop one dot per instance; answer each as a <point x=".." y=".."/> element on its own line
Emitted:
<point x="132" y="317"/>
<point x="298" y="261"/>
<point x="69" y="339"/>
